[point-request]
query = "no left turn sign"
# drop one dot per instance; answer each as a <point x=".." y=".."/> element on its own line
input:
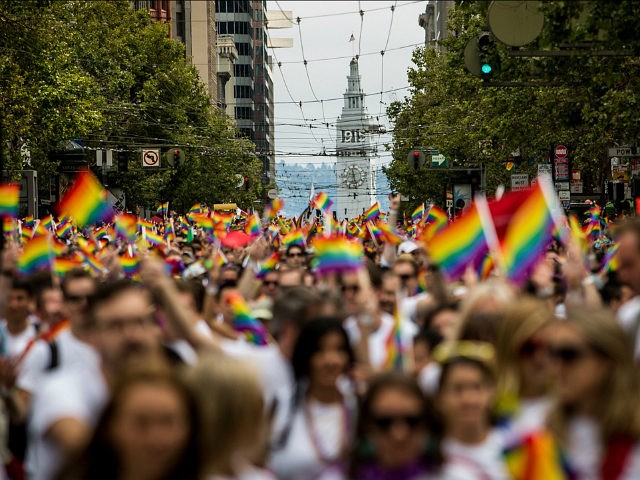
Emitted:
<point x="151" y="158"/>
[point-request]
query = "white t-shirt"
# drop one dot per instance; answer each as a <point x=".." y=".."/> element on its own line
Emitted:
<point x="585" y="452"/>
<point x="16" y="344"/>
<point x="627" y="316"/>
<point x="71" y="351"/>
<point x="377" y="340"/>
<point x="485" y="457"/>
<point x="298" y="459"/>
<point x="74" y="392"/>
<point x="531" y="417"/>
<point x="409" y="305"/>
<point x="274" y="372"/>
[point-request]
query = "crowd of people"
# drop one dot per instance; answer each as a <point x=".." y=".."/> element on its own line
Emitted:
<point x="388" y="371"/>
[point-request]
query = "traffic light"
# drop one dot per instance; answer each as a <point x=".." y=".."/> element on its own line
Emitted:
<point x="123" y="162"/>
<point x="415" y="158"/>
<point x="176" y="157"/>
<point x="481" y="56"/>
<point x="247" y="183"/>
<point x="489" y="58"/>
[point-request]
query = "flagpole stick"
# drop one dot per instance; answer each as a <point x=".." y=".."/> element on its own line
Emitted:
<point x="490" y="233"/>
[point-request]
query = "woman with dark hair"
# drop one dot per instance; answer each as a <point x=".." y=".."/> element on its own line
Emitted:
<point x="312" y="437"/>
<point x="391" y="437"/>
<point x="148" y="431"/>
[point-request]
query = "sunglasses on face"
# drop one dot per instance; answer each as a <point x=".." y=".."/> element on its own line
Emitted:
<point x="567" y="354"/>
<point x="532" y="347"/>
<point x="267" y="283"/>
<point x="76" y="298"/>
<point x="350" y="288"/>
<point x="294" y="255"/>
<point x="385" y="422"/>
<point x="406" y="277"/>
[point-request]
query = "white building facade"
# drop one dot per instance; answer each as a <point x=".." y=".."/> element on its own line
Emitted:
<point x="355" y="173"/>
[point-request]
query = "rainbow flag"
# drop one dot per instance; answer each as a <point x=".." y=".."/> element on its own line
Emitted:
<point x="130" y="265"/>
<point x="337" y="255"/>
<point x="254" y="331"/>
<point x="64" y="228"/>
<point x="269" y="265"/>
<point x="296" y="237"/>
<point x="126" y="227"/>
<point x="154" y="239"/>
<point x="9" y="199"/>
<point x="63" y="265"/>
<point x="610" y="260"/>
<point x="252" y="227"/>
<point x="197" y="209"/>
<point x="528" y="233"/>
<point x="322" y="202"/>
<point x="272" y="209"/>
<point x="395" y="351"/>
<point x="372" y="213"/>
<point x="36" y="255"/>
<point x="93" y="263"/>
<point x="144" y="223"/>
<point x="163" y="209"/>
<point x="436" y="220"/>
<point x="388" y="232"/>
<point x="418" y="215"/>
<point x="375" y="232"/>
<point x="10" y="228"/>
<point x="86" y="201"/>
<point x="459" y="245"/>
<point x="537" y="457"/>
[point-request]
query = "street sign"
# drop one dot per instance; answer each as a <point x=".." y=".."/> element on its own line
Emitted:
<point x="438" y="160"/>
<point x="622" y="152"/>
<point x="272" y="194"/>
<point x="562" y="186"/>
<point x="560" y="151"/>
<point x="519" y="181"/>
<point x="151" y="158"/>
<point x="544" y="169"/>
<point x="576" y="187"/>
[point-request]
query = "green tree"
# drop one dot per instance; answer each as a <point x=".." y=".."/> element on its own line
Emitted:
<point x="585" y="102"/>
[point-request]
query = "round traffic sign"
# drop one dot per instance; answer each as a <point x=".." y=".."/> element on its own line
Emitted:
<point x="272" y="194"/>
<point x="561" y="151"/>
<point x="150" y="158"/>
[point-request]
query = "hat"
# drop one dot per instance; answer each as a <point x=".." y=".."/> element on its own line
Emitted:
<point x="407" y="246"/>
<point x="262" y="309"/>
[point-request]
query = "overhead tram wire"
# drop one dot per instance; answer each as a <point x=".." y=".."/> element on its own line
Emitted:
<point x="382" y="52"/>
<point x="361" y="25"/>
<point x="306" y="69"/>
<point x="286" y="86"/>
<point x="343" y="57"/>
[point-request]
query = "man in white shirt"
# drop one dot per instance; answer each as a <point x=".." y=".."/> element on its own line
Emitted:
<point x="629" y="274"/>
<point x="17" y="329"/>
<point x="122" y="328"/>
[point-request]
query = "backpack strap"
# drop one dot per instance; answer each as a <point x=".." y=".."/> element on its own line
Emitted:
<point x="54" y="355"/>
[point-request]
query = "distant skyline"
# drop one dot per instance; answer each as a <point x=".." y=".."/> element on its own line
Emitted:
<point x="326" y="27"/>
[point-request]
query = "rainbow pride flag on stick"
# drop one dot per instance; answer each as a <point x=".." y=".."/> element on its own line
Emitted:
<point x="337" y="254"/>
<point x="322" y="202"/>
<point x="459" y="245"/>
<point x="86" y="201"/>
<point x="9" y="199"/>
<point x="244" y="322"/>
<point x="395" y="351"/>
<point x="372" y="213"/>
<point x="37" y="255"/>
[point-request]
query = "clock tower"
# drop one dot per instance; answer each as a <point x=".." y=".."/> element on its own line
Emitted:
<point x="354" y="170"/>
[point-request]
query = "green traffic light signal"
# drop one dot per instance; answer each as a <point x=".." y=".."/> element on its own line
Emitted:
<point x="486" y="68"/>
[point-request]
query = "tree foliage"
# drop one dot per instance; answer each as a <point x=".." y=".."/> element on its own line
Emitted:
<point x="104" y="74"/>
<point x="583" y="101"/>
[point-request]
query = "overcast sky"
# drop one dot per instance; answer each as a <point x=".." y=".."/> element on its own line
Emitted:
<point x="326" y="28"/>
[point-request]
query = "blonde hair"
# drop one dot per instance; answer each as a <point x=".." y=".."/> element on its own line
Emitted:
<point x="472" y="315"/>
<point x="229" y="398"/>
<point x="617" y="400"/>
<point x="522" y="319"/>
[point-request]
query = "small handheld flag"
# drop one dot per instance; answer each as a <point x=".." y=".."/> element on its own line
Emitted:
<point x="86" y="201"/>
<point x="9" y="199"/>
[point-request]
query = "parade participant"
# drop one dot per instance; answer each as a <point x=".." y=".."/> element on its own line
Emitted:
<point x="295" y="256"/>
<point x="233" y="428"/>
<point x="524" y="368"/>
<point x="66" y="405"/>
<point x="312" y="437"/>
<point x="398" y="434"/>
<point x="465" y="401"/>
<point x="147" y="431"/>
<point x="270" y="284"/>
<point x="595" y="416"/>
<point x="17" y="331"/>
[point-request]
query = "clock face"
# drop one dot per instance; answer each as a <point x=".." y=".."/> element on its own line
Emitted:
<point x="353" y="177"/>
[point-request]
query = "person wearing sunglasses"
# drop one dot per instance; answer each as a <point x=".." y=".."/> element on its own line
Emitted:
<point x="525" y="370"/>
<point x="295" y="256"/>
<point x="596" y="417"/>
<point x="270" y="284"/>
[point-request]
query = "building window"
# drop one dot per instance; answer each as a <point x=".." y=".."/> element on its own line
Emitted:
<point x="180" y="30"/>
<point x="242" y="91"/>
<point x="243" y="48"/>
<point x="244" y="113"/>
<point x="242" y="70"/>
